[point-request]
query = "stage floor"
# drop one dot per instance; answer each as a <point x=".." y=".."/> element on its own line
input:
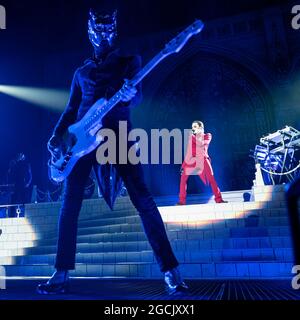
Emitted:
<point x="124" y="289"/>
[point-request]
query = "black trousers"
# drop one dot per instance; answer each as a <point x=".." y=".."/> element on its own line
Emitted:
<point x="132" y="176"/>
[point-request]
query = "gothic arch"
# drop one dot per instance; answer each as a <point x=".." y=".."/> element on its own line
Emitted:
<point x="243" y="109"/>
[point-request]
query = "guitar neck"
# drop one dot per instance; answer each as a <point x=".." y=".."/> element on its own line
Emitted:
<point x="147" y="69"/>
<point x="175" y="45"/>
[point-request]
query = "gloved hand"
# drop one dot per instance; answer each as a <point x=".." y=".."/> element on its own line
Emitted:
<point x="128" y="92"/>
<point x="54" y="146"/>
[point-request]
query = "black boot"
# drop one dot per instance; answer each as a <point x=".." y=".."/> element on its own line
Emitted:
<point x="174" y="283"/>
<point x="57" y="284"/>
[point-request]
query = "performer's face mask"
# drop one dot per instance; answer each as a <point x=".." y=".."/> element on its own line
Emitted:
<point x="102" y="28"/>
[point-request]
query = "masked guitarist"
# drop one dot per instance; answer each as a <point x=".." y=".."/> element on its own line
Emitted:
<point x="101" y="76"/>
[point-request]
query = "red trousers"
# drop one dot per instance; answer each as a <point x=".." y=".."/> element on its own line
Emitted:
<point x="207" y="176"/>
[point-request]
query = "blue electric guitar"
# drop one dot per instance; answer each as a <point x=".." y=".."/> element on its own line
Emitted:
<point x="81" y="138"/>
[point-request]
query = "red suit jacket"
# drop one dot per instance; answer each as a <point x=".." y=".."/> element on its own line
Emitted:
<point x="197" y="153"/>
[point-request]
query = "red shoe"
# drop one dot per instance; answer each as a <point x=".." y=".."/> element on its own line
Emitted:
<point x="221" y="201"/>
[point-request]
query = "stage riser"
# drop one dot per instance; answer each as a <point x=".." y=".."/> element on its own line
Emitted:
<point x="210" y="240"/>
<point x="260" y="194"/>
<point x="24" y="226"/>
<point x="207" y="211"/>
<point x="147" y="256"/>
<point x="244" y="243"/>
<point x="96" y="209"/>
<point x="11" y="241"/>
<point x="220" y="227"/>
<point x="265" y="270"/>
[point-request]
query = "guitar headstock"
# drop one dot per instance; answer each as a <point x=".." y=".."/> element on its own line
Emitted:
<point x="178" y="42"/>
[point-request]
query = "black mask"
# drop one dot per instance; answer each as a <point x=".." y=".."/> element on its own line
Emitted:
<point x="102" y="28"/>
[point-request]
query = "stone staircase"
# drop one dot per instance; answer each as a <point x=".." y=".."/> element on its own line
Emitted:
<point x="232" y="240"/>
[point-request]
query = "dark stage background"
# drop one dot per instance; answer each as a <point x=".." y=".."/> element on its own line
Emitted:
<point x="241" y="77"/>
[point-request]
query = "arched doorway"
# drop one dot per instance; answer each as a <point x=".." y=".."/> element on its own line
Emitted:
<point x="233" y="103"/>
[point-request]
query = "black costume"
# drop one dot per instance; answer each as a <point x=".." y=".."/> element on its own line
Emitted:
<point x="91" y="82"/>
<point x="102" y="76"/>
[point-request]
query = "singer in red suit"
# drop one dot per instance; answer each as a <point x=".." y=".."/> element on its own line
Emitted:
<point x="197" y="161"/>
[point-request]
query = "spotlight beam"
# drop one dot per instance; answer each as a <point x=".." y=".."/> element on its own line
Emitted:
<point x="55" y="99"/>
